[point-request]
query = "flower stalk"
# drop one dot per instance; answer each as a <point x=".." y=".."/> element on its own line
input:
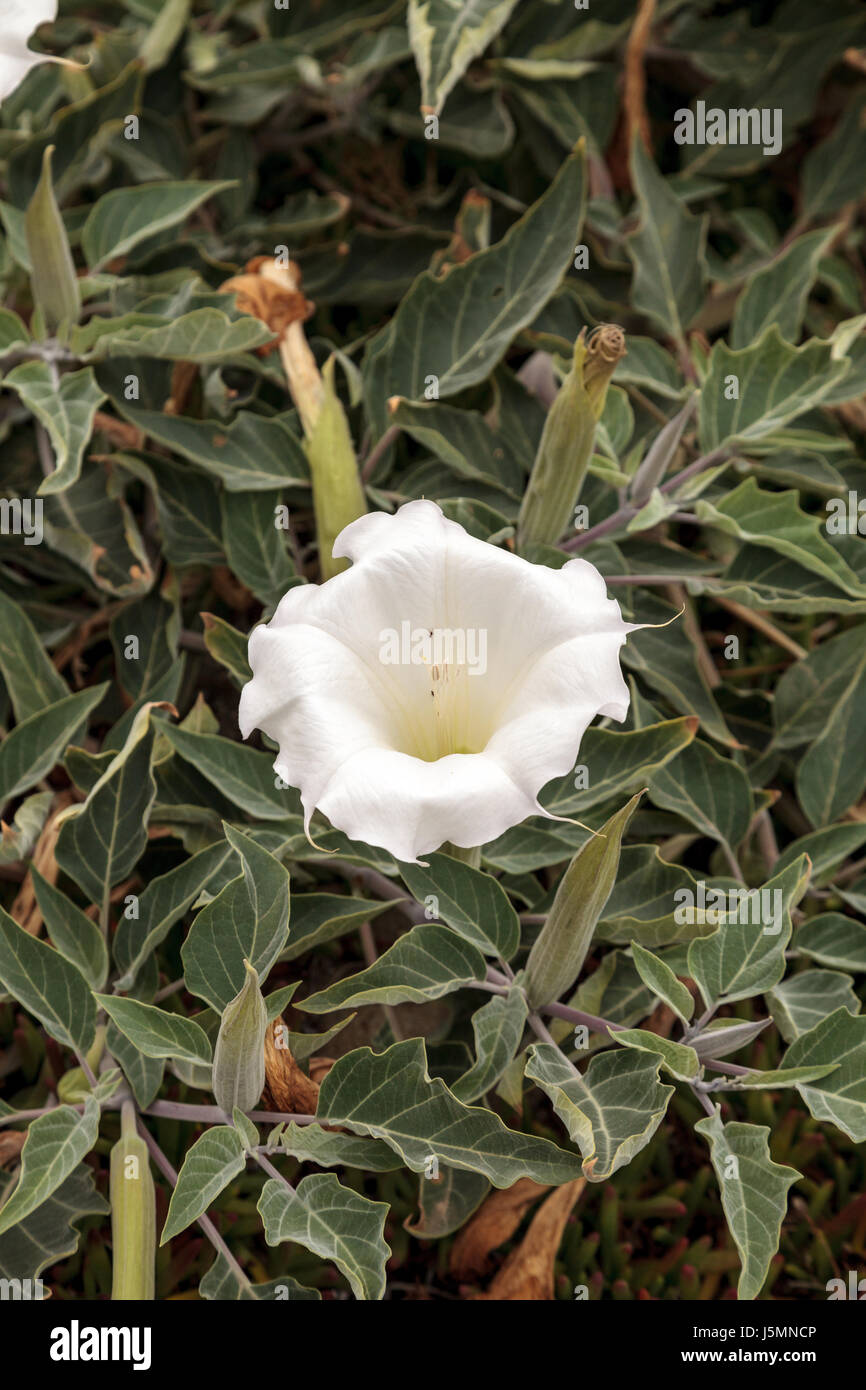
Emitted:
<point x="133" y="1214"/>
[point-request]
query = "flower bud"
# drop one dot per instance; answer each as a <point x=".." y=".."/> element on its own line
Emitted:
<point x="133" y="1214"/>
<point x="239" y="1055"/>
<point x="566" y="442"/>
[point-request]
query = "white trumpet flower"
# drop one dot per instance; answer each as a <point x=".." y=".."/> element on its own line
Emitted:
<point x="18" y="20"/>
<point x="427" y="693"/>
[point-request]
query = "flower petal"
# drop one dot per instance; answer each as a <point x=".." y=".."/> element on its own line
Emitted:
<point x="404" y="752"/>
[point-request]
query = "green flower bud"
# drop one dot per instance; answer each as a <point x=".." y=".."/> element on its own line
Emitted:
<point x="566" y="442"/>
<point x="239" y="1055"/>
<point x="338" y="495"/>
<point x="133" y="1214"/>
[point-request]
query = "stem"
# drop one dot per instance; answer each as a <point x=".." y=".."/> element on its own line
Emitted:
<point x="593" y="1022"/>
<point x="173" y="988"/>
<point x="625" y="513"/>
<point x="729" y="1068"/>
<point x="369" y="465"/>
<point x="176" y="1110"/>
<point x="732" y="862"/>
<point x="271" y="1171"/>
<point x="763" y="625"/>
<point x="704" y="1100"/>
<point x="87" y="1069"/>
<point x="371" y="955"/>
<point x="383" y="887"/>
<point x="698" y="1026"/>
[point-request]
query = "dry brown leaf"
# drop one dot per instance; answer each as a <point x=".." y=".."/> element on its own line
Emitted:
<point x="493" y="1224"/>
<point x="319" y="1068"/>
<point x="527" y="1273"/>
<point x="119" y="431"/>
<point x="634" y="93"/>
<point x="287" y="1089"/>
<point x="183" y="378"/>
<point x="25" y="909"/>
<point x="277" y="301"/>
<point x="11" y="1144"/>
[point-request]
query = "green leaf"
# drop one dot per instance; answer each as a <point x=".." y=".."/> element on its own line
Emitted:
<point x="778" y="293"/>
<point x="319" y="917"/>
<point x="163" y="34"/>
<point x="243" y="775"/>
<point x="459" y="328"/>
<point x="18" y="840"/>
<point x="446" y="37"/>
<point x="46" y="985"/>
<point x="611" y="1112"/>
<point x="227" y="646"/>
<point x="76" y="937"/>
<point x="144" y="1074"/>
<point x="774" y="520"/>
<point x="254" y="545"/>
<point x="155" y="1032"/>
<point x="841" y="1099"/>
<point x="49" y="1233"/>
<point x="213" y="1161"/>
<point x="429" y="961"/>
<point x="667" y="250"/>
<point x="726" y="1035"/>
<point x="12" y="331"/>
<point x="31" y="679"/>
<point x="807" y="998"/>
<point x="222" y="1282"/>
<point x="665" y="656"/>
<point x="746" y="954"/>
<point x="498" y="1027"/>
<point x="833" y="940"/>
<point x="659" y="977"/>
<point x="677" y="1058"/>
<point x="833" y="169"/>
<point x="334" y="1222"/>
<point x="617" y="764"/>
<point x="92" y="525"/>
<point x="810" y="690"/>
<point x="826" y="848"/>
<point x="615" y="991"/>
<point x="709" y="791"/>
<point x="472" y="903"/>
<point x="831" y="775"/>
<point x="327" y="1149"/>
<point x="248" y="920"/>
<point x="645" y="903"/>
<point x="55" y="1144"/>
<point x="754" y="1194"/>
<point x="202" y="335"/>
<point x="52" y="270"/>
<point x="36" y="744"/>
<point x="65" y="408"/>
<point x="101" y="840"/>
<point x="253" y="453"/>
<point x="163" y="902"/>
<point x="561" y="946"/>
<point x="121" y="219"/>
<point x="775" y="383"/>
<point x="391" y="1096"/>
<point x="463" y="440"/>
<point x="187" y="506"/>
<point x="447" y="1202"/>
